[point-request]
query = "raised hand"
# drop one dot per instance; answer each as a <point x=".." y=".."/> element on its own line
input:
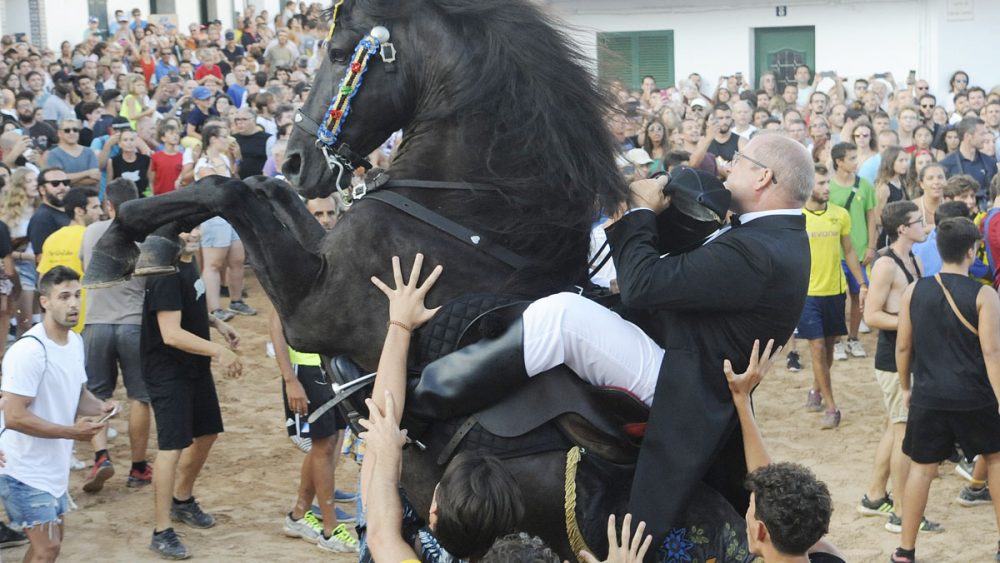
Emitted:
<point x="406" y="299"/>
<point x="629" y="549"/>
<point x="740" y="385"/>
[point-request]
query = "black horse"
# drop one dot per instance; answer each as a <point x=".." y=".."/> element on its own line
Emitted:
<point x="505" y="150"/>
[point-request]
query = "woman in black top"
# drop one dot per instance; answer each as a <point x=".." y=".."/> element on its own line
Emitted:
<point x="131" y="164"/>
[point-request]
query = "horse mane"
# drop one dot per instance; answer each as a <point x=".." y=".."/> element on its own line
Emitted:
<point x="546" y="143"/>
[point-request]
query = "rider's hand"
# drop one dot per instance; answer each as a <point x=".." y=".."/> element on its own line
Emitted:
<point x="742" y="384"/>
<point x="406" y="300"/>
<point x="629" y="550"/>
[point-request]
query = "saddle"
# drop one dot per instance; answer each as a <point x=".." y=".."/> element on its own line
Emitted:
<point x="609" y="422"/>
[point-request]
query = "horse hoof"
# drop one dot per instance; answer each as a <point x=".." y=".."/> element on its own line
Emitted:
<point x="157" y="256"/>
<point x="105" y="270"/>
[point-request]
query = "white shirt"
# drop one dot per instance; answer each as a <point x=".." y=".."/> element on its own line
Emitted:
<point x="54" y="378"/>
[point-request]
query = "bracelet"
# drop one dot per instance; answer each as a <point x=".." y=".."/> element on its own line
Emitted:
<point x="399" y="324"/>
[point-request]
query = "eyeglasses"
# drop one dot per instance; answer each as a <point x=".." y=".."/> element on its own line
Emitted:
<point x="71" y="130"/>
<point x="919" y="221"/>
<point x="961" y="81"/>
<point x="57" y="182"/>
<point x="738" y="155"/>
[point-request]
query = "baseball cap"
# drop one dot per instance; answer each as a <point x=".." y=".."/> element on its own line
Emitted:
<point x="120" y="123"/>
<point x="93" y="19"/>
<point x="699" y="102"/>
<point x="638" y="157"/>
<point x="123" y="18"/>
<point x="230" y="35"/>
<point x="61" y="76"/>
<point x="201" y="93"/>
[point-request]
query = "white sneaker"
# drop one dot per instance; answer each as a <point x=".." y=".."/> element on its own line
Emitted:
<point x="839" y="351"/>
<point x="307" y="527"/>
<point x="112" y="433"/>
<point x="864" y="328"/>
<point x="341" y="541"/>
<point x="76" y="464"/>
<point x="855" y="348"/>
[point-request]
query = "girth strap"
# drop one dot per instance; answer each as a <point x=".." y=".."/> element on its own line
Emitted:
<point x="448" y="226"/>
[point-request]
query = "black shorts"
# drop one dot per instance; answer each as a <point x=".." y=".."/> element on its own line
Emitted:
<point x="931" y="434"/>
<point x="185" y="408"/>
<point x="318" y="391"/>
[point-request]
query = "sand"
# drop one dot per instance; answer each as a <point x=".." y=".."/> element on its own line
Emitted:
<point x="251" y="476"/>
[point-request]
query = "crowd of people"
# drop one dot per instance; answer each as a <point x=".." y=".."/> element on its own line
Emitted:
<point x="893" y="161"/>
<point x="900" y="173"/>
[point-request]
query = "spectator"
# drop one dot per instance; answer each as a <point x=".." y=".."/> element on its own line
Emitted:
<point x="49" y="217"/>
<point x="165" y="165"/>
<point x="233" y="51"/>
<point x="968" y="159"/>
<point x="62" y="248"/>
<point x="111" y="339"/>
<point x="77" y="161"/>
<point x="44" y="393"/>
<point x="42" y="134"/>
<point x="927" y="251"/>
<point x="136" y="104"/>
<point x="112" y="101"/>
<point x="202" y="97"/>
<point x="130" y="163"/>
<point x="282" y="53"/>
<point x="857" y="196"/>
<point x="92" y="112"/>
<point x="951" y="398"/>
<point x="57" y="107"/>
<point x="252" y="141"/>
<point x="176" y="367"/>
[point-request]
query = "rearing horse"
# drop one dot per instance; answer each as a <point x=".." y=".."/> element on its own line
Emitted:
<point x="504" y="148"/>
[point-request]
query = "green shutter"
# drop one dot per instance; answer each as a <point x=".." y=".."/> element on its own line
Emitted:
<point x="631" y="55"/>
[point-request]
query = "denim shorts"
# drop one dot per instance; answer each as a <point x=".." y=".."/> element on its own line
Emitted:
<point x="28" y="507"/>
<point x="28" y="274"/>
<point x="217" y="233"/>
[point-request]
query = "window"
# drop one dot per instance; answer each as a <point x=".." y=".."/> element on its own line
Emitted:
<point x="629" y="56"/>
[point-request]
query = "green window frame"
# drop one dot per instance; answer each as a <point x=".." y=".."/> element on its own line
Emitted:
<point x="630" y="55"/>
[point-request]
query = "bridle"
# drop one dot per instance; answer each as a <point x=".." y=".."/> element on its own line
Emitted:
<point x="341" y="159"/>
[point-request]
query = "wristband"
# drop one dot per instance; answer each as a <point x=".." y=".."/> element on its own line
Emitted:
<point x="399" y="324"/>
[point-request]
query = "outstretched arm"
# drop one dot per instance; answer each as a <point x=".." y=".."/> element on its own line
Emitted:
<point x="741" y="385"/>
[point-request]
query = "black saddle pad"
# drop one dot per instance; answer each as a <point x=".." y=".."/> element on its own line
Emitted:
<point x="441" y="335"/>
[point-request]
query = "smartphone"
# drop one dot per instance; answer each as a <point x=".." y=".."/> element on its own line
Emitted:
<point x="827" y="74"/>
<point x="880" y="75"/>
<point x="113" y="412"/>
<point x="911" y="78"/>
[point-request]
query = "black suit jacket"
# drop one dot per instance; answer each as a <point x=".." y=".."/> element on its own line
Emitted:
<point x="702" y="307"/>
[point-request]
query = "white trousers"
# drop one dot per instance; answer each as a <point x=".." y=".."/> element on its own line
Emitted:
<point x="600" y="346"/>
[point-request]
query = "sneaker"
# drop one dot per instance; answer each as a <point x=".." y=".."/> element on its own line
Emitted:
<point x="344" y="496"/>
<point x="895" y="525"/>
<point x="856" y="349"/>
<point x="101" y="472"/>
<point x="138" y="479"/>
<point x="112" y="433"/>
<point x="793" y="362"/>
<point x="831" y="419"/>
<point x="863" y="328"/>
<point x="222" y="315"/>
<point x="241" y="308"/>
<point x="341" y="541"/>
<point x="877" y="507"/>
<point x="964" y="468"/>
<point x="11" y="538"/>
<point x="814" y="401"/>
<point x="75" y="464"/>
<point x="974" y="497"/>
<point x="343" y="517"/>
<point x="308" y="527"/>
<point x="896" y="557"/>
<point x="839" y="351"/>
<point x="191" y="514"/>
<point x="167" y="545"/>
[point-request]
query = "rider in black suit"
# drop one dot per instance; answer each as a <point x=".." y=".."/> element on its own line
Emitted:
<point x="706" y="305"/>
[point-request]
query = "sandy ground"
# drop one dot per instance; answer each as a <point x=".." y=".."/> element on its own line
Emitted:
<point x="251" y="476"/>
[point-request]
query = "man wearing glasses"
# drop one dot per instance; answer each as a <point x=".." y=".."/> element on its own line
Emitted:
<point x="53" y="183"/>
<point x="77" y="161"/>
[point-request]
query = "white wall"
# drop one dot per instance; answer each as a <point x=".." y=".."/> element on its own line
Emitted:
<point x="65" y="21"/>
<point x="853" y="37"/>
<point x="188" y="12"/>
<point x="16" y="18"/>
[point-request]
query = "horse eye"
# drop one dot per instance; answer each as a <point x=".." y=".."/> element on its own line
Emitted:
<point x="339" y="56"/>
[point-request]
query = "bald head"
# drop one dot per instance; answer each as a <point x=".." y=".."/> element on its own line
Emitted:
<point x="791" y="162"/>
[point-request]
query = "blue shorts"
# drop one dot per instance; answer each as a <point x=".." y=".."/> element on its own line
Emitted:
<point x="28" y="274"/>
<point x="822" y="317"/>
<point x="28" y="507"/>
<point x="217" y="233"/>
<point x="852" y="284"/>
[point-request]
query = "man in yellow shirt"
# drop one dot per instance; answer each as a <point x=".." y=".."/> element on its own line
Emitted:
<point x="829" y="229"/>
<point x="62" y="248"/>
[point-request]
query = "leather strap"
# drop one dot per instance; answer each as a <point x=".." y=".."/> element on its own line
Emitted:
<point x="449" y="227"/>
<point x="456" y="439"/>
<point x="954" y="307"/>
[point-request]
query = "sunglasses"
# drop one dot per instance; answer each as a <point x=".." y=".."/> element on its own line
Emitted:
<point x="71" y="130"/>
<point x="57" y="182"/>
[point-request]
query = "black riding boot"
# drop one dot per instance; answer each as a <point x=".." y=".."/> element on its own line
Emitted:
<point x="471" y="378"/>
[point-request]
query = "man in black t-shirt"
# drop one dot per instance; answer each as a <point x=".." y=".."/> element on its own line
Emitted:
<point x="49" y="217"/>
<point x="725" y="143"/>
<point x="176" y="357"/>
<point x="956" y="380"/>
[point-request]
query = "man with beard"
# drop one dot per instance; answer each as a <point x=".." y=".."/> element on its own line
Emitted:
<point x="42" y="134"/>
<point x="79" y="162"/>
<point x="88" y="93"/>
<point x="57" y="106"/>
<point x="49" y="217"/>
<point x="725" y="143"/>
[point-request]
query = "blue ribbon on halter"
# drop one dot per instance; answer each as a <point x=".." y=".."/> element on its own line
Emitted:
<point x="340" y="106"/>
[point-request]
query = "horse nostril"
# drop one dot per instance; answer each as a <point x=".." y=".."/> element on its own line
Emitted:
<point x="292" y="165"/>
